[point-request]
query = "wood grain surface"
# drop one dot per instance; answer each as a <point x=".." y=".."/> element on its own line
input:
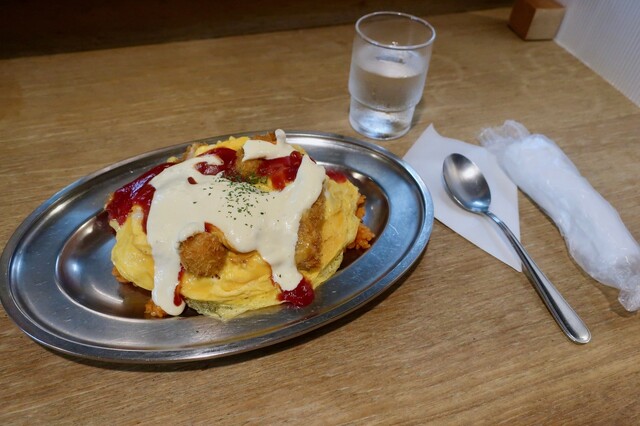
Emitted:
<point x="462" y="340"/>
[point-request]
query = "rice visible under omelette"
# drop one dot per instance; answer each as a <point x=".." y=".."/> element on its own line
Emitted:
<point x="233" y="227"/>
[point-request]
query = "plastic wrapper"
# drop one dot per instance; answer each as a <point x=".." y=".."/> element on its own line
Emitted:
<point x="594" y="233"/>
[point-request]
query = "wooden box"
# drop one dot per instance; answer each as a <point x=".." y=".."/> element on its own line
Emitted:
<point x="536" y="19"/>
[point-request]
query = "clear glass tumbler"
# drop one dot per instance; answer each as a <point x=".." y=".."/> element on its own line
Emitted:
<point x="389" y="64"/>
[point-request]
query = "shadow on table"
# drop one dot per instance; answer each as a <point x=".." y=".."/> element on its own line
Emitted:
<point x="40" y="27"/>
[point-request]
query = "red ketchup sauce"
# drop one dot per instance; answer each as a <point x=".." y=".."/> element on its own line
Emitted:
<point x="136" y="192"/>
<point x="300" y="296"/>
<point x="228" y="157"/>
<point x="336" y="175"/>
<point x="281" y="170"/>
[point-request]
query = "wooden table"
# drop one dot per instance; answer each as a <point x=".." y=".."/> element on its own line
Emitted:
<point x="463" y="339"/>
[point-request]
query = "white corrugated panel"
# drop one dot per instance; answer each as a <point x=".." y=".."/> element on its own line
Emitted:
<point x="605" y="35"/>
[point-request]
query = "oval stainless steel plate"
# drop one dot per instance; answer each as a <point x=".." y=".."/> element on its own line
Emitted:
<point x="58" y="288"/>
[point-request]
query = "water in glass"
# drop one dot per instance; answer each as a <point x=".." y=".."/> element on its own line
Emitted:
<point x="385" y="87"/>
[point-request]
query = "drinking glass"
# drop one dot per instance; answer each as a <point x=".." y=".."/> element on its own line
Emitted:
<point x="389" y="64"/>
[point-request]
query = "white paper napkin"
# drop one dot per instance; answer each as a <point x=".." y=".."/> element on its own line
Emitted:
<point x="427" y="156"/>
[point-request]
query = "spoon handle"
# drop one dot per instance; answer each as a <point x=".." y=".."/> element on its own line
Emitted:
<point x="562" y="312"/>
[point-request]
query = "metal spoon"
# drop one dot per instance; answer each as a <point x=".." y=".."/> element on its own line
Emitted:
<point x="466" y="185"/>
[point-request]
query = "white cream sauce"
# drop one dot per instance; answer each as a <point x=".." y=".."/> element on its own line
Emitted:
<point x="249" y="218"/>
<point x="259" y="149"/>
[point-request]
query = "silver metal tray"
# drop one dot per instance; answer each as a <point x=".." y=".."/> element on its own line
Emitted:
<point x="58" y="288"/>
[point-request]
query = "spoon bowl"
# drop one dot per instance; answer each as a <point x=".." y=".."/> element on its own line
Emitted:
<point x="467" y="186"/>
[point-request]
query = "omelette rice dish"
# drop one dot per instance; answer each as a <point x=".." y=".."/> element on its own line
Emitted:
<point x="232" y="227"/>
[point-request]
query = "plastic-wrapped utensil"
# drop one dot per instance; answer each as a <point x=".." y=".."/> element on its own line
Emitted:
<point x="595" y="235"/>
